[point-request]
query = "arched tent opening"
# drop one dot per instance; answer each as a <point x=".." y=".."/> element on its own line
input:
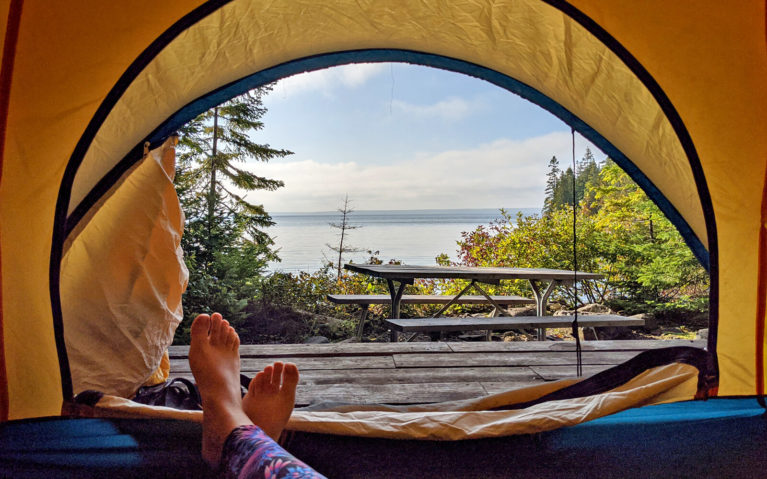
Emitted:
<point x="636" y="116"/>
<point x="688" y="118"/>
<point x="92" y="362"/>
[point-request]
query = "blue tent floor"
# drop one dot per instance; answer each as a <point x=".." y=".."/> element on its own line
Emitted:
<point x="715" y="438"/>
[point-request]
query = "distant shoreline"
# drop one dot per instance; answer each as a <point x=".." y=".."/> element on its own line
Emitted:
<point x="415" y="211"/>
<point x="410" y="236"/>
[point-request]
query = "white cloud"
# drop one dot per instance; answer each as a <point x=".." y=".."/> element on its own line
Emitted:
<point x="327" y="80"/>
<point x="504" y="173"/>
<point x="451" y="109"/>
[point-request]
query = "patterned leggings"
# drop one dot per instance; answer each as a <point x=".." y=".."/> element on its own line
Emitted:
<point x="250" y="453"/>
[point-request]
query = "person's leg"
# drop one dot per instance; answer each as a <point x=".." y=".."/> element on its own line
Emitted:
<point x="215" y="362"/>
<point x="271" y="396"/>
<point x="230" y="440"/>
<point x="250" y="453"/>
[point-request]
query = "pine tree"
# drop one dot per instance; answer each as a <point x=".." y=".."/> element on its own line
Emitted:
<point x="224" y="244"/>
<point x="559" y="184"/>
<point x="552" y="183"/>
<point x="587" y="173"/>
<point x="563" y="196"/>
<point x="211" y="144"/>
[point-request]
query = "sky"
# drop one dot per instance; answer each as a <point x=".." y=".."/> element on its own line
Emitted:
<point x="398" y="136"/>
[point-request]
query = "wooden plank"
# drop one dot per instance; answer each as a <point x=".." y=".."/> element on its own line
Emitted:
<point x="553" y="373"/>
<point x="316" y="350"/>
<point x="322" y="377"/>
<point x="520" y="322"/>
<point x="388" y="393"/>
<point x="607" y="345"/>
<point x="424" y="299"/>
<point x="386" y="348"/>
<point x="550" y="358"/>
<point x="345" y="362"/>
<point x="417" y="375"/>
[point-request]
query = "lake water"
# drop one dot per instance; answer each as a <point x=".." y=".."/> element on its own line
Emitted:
<point x="411" y="236"/>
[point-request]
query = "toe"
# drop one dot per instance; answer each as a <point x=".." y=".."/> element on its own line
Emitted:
<point x="233" y="341"/>
<point x="223" y="332"/>
<point x="277" y="374"/>
<point x="290" y="376"/>
<point x="200" y="326"/>
<point x="214" y="327"/>
<point x="268" y="384"/>
<point x="227" y="338"/>
<point x="254" y="385"/>
<point x="258" y="384"/>
<point x="217" y="329"/>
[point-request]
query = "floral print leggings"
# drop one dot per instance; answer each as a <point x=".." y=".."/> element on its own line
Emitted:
<point x="250" y="453"/>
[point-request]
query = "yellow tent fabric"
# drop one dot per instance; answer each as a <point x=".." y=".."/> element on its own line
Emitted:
<point x="122" y="276"/>
<point x="676" y="88"/>
<point x="456" y="420"/>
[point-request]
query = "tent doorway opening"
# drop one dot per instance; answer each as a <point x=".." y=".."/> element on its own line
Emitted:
<point x="266" y="295"/>
<point x="425" y="166"/>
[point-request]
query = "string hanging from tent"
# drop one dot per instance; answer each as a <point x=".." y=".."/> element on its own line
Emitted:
<point x="578" y="353"/>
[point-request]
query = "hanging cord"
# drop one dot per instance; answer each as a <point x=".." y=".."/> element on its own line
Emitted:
<point x="578" y="352"/>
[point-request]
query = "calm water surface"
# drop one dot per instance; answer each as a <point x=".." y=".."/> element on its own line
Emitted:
<point x="412" y="236"/>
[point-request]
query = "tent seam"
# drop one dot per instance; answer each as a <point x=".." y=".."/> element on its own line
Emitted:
<point x="6" y="76"/>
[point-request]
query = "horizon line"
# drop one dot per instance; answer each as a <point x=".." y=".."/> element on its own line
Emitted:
<point x="408" y="210"/>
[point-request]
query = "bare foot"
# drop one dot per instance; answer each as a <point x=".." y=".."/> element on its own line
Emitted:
<point x="271" y="396"/>
<point x="215" y="362"/>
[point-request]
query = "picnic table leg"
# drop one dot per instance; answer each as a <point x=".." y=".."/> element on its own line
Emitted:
<point x="489" y="334"/>
<point x="496" y="309"/>
<point x="541" y="298"/>
<point x="363" y="317"/>
<point x="396" y="299"/>
<point x="444" y="308"/>
<point x="452" y="301"/>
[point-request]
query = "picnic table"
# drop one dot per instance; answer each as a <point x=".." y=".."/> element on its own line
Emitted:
<point x="365" y="300"/>
<point x="542" y="281"/>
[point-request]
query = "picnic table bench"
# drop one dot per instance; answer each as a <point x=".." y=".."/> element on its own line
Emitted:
<point x="365" y="300"/>
<point x="427" y="325"/>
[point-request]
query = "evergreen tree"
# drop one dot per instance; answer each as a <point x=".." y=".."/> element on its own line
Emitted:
<point x="552" y="183"/>
<point x="563" y="195"/>
<point x="559" y="184"/>
<point x="224" y="244"/>
<point x="588" y="174"/>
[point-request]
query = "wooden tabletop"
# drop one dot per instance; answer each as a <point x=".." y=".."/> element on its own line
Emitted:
<point x="482" y="274"/>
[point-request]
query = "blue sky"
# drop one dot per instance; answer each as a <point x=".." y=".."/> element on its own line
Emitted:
<point x="397" y="136"/>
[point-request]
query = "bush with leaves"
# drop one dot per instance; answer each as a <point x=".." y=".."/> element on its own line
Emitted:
<point x="619" y="233"/>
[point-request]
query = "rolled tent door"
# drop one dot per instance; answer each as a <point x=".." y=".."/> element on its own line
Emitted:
<point x="122" y="276"/>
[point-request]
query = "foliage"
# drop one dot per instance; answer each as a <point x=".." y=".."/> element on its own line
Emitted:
<point x="650" y="258"/>
<point x="619" y="232"/>
<point x="225" y="247"/>
<point x="292" y="307"/>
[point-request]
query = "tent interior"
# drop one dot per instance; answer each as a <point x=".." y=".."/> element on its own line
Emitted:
<point x="91" y="94"/>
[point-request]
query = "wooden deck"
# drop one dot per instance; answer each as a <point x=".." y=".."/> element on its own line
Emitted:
<point x="406" y="373"/>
